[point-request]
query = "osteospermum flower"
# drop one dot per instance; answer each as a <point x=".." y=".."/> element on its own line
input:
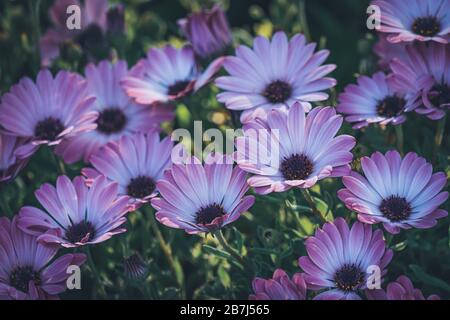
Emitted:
<point x="118" y="114"/>
<point x="26" y="267"/>
<point x="387" y="51"/>
<point x="76" y="214"/>
<point x="305" y="150"/>
<point x="424" y="74"/>
<point x="135" y="163"/>
<point x="167" y="74"/>
<point x="373" y="100"/>
<point x="400" y="193"/>
<point x="48" y="111"/>
<point x="280" y="287"/>
<point x="340" y="259"/>
<point x="207" y="31"/>
<point x="415" y="20"/>
<point x="10" y="165"/>
<point x="202" y="198"/>
<point x="400" y="289"/>
<point x="274" y="74"/>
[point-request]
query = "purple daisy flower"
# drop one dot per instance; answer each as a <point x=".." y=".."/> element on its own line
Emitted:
<point x="407" y="21"/>
<point x="167" y="74"/>
<point x="275" y="74"/>
<point x="207" y="31"/>
<point x="305" y="150"/>
<point x="280" y="287"/>
<point x="340" y="259"/>
<point x="10" y="165"/>
<point x="26" y="270"/>
<point x="118" y="114"/>
<point x="400" y="289"/>
<point x="135" y="163"/>
<point x="47" y="112"/>
<point x="373" y="100"/>
<point x="387" y="51"/>
<point x="202" y="198"/>
<point x="424" y="74"/>
<point x="400" y="193"/>
<point x="76" y="214"/>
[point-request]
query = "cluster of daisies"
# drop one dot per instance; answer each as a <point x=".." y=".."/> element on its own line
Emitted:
<point x="110" y="119"/>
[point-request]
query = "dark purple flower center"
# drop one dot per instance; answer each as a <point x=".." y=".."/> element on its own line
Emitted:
<point x="349" y="277"/>
<point x="48" y="129"/>
<point x="178" y="87"/>
<point x="111" y="120"/>
<point x="426" y="26"/>
<point x="395" y="208"/>
<point x="134" y="266"/>
<point x="82" y="230"/>
<point x="390" y="106"/>
<point x="296" y="167"/>
<point x="20" y="277"/>
<point x="207" y="214"/>
<point x="277" y="92"/>
<point x="91" y="37"/>
<point x="439" y="95"/>
<point x="140" y="187"/>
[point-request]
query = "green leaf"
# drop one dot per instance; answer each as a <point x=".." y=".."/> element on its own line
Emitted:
<point x="224" y="276"/>
<point x="216" y="252"/>
<point x="428" y="279"/>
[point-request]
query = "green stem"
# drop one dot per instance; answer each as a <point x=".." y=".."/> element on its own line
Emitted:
<point x="303" y="20"/>
<point x="312" y="205"/>
<point x="59" y="164"/>
<point x="96" y="273"/>
<point x="233" y="252"/>
<point x="4" y="203"/>
<point x="440" y="130"/>
<point x="399" y="135"/>
<point x="35" y="6"/>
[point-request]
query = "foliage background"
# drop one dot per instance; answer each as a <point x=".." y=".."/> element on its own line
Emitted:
<point x="272" y="234"/>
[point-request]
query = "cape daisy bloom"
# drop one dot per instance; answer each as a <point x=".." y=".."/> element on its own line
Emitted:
<point x="10" y="165"/>
<point x="400" y="289"/>
<point x="26" y="267"/>
<point x="280" y="287"/>
<point x="202" y="198"/>
<point x="118" y="115"/>
<point x="373" y="100"/>
<point x="167" y="74"/>
<point x="415" y="20"/>
<point x="48" y="111"/>
<point x="135" y="163"/>
<point x="273" y="75"/>
<point x="305" y="150"/>
<point x="424" y="74"/>
<point x="400" y="193"/>
<point x="76" y="214"/>
<point x="340" y="259"/>
<point x="387" y="51"/>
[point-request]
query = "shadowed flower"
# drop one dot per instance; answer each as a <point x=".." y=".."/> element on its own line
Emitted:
<point x="400" y="289"/>
<point x="280" y="287"/>
<point x="26" y="270"/>
<point x="202" y="198"/>
<point x="424" y="75"/>
<point x="76" y="214"/>
<point x="305" y="150"/>
<point x="10" y="165"/>
<point x="118" y="115"/>
<point x="167" y="74"/>
<point x="207" y="31"/>
<point x="135" y="163"/>
<point x="372" y="101"/>
<point x="48" y="111"/>
<point x="275" y="74"/>
<point x="420" y="20"/>
<point x="340" y="259"/>
<point x="135" y="267"/>
<point x="387" y="51"/>
<point x="400" y="193"/>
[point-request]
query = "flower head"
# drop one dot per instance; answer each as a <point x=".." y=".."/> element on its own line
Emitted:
<point x="280" y="287"/>
<point x="167" y="74"/>
<point x="26" y="270"/>
<point x="373" y="100"/>
<point x="400" y="193"/>
<point x="118" y="115"/>
<point x="76" y="214"/>
<point x="387" y="51"/>
<point x="202" y="198"/>
<point x="340" y="259"/>
<point x="303" y="149"/>
<point x="207" y="31"/>
<point x="275" y="74"/>
<point x="417" y="20"/>
<point x="10" y="165"/>
<point x="48" y="111"/>
<point x="135" y="163"/>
